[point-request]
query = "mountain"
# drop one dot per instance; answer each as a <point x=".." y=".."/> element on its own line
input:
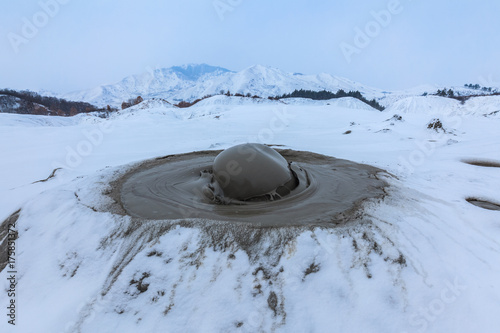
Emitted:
<point x="190" y="82"/>
<point x="157" y="83"/>
<point x="194" y="72"/>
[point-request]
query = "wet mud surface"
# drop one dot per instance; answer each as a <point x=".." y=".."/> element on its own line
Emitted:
<point x="253" y="172"/>
<point x="475" y="201"/>
<point x="483" y="204"/>
<point x="331" y="191"/>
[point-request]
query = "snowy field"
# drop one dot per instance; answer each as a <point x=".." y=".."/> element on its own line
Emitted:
<point x="422" y="260"/>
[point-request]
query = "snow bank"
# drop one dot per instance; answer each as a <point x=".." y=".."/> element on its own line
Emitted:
<point x="344" y="102"/>
<point x="431" y="105"/>
<point x="233" y="100"/>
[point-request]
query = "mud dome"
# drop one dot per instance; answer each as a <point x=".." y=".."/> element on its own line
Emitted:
<point x="326" y="190"/>
<point x="253" y="172"/>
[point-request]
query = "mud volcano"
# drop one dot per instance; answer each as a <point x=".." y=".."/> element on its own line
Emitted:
<point x="250" y="183"/>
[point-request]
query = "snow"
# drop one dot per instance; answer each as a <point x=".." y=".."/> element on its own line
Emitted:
<point x="435" y="105"/>
<point x="424" y="260"/>
<point x="344" y="102"/>
<point x="424" y="104"/>
<point x="232" y="100"/>
<point x="194" y="81"/>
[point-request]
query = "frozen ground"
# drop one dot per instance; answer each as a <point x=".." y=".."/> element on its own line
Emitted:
<point x="423" y="259"/>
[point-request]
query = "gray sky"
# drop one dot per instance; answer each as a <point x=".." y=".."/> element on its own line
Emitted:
<point x="82" y="44"/>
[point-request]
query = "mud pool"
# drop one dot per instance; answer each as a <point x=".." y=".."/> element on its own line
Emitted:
<point x="299" y="188"/>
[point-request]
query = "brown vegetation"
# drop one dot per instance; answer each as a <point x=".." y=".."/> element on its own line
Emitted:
<point x="132" y="102"/>
<point x="29" y="102"/>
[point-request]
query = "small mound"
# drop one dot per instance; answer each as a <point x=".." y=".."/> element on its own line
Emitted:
<point x="483" y="204"/>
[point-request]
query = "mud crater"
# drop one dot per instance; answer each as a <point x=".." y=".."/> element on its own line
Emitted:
<point x="174" y="191"/>
<point x="302" y="188"/>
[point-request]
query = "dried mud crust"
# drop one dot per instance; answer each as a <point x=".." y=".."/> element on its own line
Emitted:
<point x="336" y="195"/>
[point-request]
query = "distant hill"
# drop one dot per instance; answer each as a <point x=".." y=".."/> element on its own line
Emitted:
<point x="29" y="102"/>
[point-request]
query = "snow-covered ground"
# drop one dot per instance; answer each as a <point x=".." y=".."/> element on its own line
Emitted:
<point x="423" y="259"/>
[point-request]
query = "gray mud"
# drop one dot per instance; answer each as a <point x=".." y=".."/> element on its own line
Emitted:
<point x="171" y="187"/>
<point x="251" y="172"/>
<point x="482" y="163"/>
<point x="483" y="204"/>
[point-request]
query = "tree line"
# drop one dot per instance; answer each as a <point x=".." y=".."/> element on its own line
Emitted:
<point x="325" y="94"/>
<point x="462" y="98"/>
<point x="478" y="87"/>
<point x="31" y="101"/>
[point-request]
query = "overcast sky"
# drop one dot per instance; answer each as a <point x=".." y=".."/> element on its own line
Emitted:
<point x="70" y="45"/>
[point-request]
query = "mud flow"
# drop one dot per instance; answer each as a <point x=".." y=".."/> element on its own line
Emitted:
<point x="250" y="183"/>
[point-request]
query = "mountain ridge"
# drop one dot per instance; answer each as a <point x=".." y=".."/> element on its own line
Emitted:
<point x="192" y="81"/>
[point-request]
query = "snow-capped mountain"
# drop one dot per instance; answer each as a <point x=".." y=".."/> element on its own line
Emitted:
<point x="189" y="82"/>
<point x="152" y="83"/>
